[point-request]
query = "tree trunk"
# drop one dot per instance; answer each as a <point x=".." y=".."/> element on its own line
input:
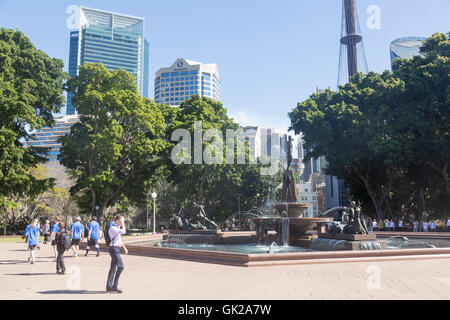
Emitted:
<point x="4" y="230"/>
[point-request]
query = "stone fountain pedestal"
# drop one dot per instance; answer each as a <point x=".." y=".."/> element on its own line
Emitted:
<point x="353" y="241"/>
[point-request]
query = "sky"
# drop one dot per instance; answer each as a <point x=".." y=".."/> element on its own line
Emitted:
<point x="271" y="54"/>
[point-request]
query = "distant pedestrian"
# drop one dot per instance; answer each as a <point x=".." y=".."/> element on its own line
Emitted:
<point x="33" y="233"/>
<point x="115" y="231"/>
<point x="46" y="231"/>
<point x="416" y="226"/>
<point x="392" y="225"/>
<point x="432" y="226"/>
<point x="77" y="232"/>
<point x="400" y="225"/>
<point x="448" y="224"/>
<point x="93" y="235"/>
<point x="380" y="225"/>
<point x="425" y="226"/>
<point x="374" y="225"/>
<point x="53" y="231"/>
<point x="60" y="245"/>
<point x="386" y="225"/>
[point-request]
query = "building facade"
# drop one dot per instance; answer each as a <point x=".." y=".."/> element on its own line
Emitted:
<point x="406" y="47"/>
<point x="48" y="137"/>
<point x="185" y="78"/>
<point x="265" y="142"/>
<point x="114" y="39"/>
<point x="308" y="196"/>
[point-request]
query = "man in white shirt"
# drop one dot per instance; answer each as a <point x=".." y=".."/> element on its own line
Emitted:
<point x="116" y="229"/>
<point x="400" y="225"/>
<point x="374" y="225"/>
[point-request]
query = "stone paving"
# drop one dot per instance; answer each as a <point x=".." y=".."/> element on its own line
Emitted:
<point x="163" y="279"/>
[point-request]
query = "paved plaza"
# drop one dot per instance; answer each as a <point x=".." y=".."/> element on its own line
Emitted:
<point x="155" y="279"/>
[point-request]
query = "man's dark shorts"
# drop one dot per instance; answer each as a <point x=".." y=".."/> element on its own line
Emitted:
<point x="92" y="242"/>
<point x="32" y="247"/>
<point x="53" y="243"/>
<point x="76" y="242"/>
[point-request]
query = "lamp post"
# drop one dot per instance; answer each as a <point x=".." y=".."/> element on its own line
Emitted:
<point x="154" y="195"/>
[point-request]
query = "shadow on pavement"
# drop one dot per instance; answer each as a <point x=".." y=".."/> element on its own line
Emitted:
<point x="13" y="262"/>
<point x="72" y="292"/>
<point x="30" y="274"/>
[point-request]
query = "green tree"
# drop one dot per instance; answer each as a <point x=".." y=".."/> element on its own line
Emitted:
<point x="117" y="145"/>
<point x="220" y="187"/>
<point x="31" y="89"/>
<point x="380" y="130"/>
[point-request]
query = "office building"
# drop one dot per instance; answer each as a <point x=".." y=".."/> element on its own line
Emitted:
<point x="185" y="78"/>
<point x="48" y="137"/>
<point x="406" y="47"/>
<point x="114" y="39"/>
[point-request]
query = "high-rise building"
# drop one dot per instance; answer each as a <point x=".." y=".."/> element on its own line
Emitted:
<point x="114" y="39"/>
<point x="48" y="137"/>
<point x="185" y="78"/>
<point x="406" y="47"/>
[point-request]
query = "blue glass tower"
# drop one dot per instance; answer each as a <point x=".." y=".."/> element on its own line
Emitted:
<point x="116" y="40"/>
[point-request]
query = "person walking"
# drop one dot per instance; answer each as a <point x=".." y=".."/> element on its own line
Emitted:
<point x="33" y="233"/>
<point x="94" y="230"/>
<point x="60" y="246"/>
<point x="53" y="231"/>
<point x="448" y="224"/>
<point x="115" y="231"/>
<point x="77" y="232"/>
<point x="46" y="231"/>
<point x="400" y="225"/>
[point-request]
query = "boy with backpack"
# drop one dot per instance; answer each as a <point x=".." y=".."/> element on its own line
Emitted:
<point x="63" y="243"/>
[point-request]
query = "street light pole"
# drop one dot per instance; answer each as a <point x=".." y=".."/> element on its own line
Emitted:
<point x="147" y="226"/>
<point x="154" y="195"/>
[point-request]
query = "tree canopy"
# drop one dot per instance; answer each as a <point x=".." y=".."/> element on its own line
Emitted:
<point x="31" y="89"/>
<point x="386" y="132"/>
<point x="115" y="148"/>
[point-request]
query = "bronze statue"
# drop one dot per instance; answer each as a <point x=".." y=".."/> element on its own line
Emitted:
<point x="192" y="217"/>
<point x="289" y="189"/>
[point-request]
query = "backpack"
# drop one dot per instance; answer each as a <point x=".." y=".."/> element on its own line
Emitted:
<point x="66" y="240"/>
<point x="106" y="235"/>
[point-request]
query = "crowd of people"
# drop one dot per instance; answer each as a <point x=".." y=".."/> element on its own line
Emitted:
<point x="64" y="239"/>
<point x="416" y="226"/>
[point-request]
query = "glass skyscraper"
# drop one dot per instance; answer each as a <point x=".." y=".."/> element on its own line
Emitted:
<point x="185" y="78"/>
<point x="114" y="39"/>
<point x="406" y="48"/>
<point x="48" y="137"/>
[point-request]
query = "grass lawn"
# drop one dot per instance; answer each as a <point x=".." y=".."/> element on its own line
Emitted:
<point x="15" y="239"/>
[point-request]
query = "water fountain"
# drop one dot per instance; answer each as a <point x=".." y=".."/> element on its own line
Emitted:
<point x="294" y="221"/>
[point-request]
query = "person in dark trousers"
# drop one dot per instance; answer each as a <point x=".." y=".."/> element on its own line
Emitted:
<point x="46" y="231"/>
<point x="60" y="266"/>
<point x="116" y="229"/>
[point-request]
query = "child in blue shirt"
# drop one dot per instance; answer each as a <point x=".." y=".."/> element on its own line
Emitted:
<point x="33" y="233"/>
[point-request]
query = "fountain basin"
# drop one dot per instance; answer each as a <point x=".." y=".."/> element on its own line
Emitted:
<point x="293" y="209"/>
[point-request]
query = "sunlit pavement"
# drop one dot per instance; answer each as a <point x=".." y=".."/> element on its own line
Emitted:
<point x="153" y="278"/>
